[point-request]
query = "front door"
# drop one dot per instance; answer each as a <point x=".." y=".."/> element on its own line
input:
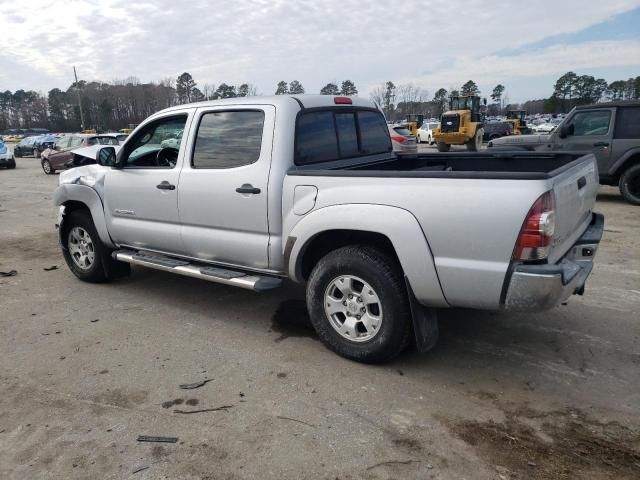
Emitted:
<point x="141" y="195"/>
<point x="62" y="152"/>
<point x="223" y="186"/>
<point x="590" y="131"/>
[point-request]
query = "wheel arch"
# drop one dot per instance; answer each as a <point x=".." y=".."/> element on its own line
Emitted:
<point x="630" y="158"/>
<point x="74" y="197"/>
<point x="391" y="229"/>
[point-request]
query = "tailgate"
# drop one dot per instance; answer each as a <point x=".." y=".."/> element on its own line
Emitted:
<point x="575" y="192"/>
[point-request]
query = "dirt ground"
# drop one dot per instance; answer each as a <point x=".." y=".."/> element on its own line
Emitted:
<point x="85" y="369"/>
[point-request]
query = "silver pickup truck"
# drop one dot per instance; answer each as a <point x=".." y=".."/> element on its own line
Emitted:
<point x="251" y="191"/>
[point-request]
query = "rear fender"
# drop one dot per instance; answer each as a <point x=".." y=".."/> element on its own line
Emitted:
<point x="89" y="197"/>
<point x="398" y="225"/>
<point x="617" y="167"/>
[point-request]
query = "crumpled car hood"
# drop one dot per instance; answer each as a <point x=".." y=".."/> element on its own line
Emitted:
<point x="88" y="175"/>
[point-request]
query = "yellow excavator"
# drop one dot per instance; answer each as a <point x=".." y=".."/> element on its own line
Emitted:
<point x="517" y="119"/>
<point x="461" y="124"/>
<point x="414" y="122"/>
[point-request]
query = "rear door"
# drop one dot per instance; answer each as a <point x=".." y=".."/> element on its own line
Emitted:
<point x="222" y="195"/>
<point x="592" y="132"/>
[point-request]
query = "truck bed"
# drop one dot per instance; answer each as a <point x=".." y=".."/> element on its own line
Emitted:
<point x="470" y="206"/>
<point x="502" y="165"/>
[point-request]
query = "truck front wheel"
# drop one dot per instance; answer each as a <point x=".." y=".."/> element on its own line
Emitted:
<point x="630" y="185"/>
<point x="358" y="303"/>
<point x="85" y="254"/>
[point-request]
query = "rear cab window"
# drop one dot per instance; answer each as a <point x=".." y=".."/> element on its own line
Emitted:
<point x="329" y="134"/>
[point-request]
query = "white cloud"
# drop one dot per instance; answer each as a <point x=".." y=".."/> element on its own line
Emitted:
<point x="264" y="41"/>
<point x="555" y="60"/>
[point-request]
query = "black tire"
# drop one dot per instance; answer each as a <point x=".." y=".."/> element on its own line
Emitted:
<point x="103" y="268"/>
<point x="630" y="184"/>
<point x="385" y="277"/>
<point x="418" y="139"/>
<point x="17" y="153"/>
<point x="443" y="147"/>
<point x="46" y="167"/>
<point x="473" y="145"/>
<point x="12" y="164"/>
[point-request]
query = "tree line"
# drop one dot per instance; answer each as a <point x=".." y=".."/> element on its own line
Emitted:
<point x="115" y="105"/>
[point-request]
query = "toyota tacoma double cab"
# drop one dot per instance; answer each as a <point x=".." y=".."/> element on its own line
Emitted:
<point x="611" y="131"/>
<point x="307" y="187"/>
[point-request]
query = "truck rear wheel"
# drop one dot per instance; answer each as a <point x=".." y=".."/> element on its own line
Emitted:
<point x="630" y="185"/>
<point x="358" y="303"/>
<point x="443" y="147"/>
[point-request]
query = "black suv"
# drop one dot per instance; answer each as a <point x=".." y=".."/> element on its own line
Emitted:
<point x="610" y="130"/>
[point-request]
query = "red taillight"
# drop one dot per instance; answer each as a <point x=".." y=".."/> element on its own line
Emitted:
<point x="342" y="101"/>
<point x="398" y="138"/>
<point x="537" y="230"/>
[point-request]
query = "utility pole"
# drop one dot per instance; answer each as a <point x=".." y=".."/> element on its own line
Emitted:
<point x="79" y="102"/>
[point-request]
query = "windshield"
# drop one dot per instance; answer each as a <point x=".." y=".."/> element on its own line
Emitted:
<point x="462" y="103"/>
<point x="108" y="140"/>
<point x="402" y="131"/>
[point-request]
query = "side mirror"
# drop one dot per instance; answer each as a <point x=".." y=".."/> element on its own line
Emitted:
<point x="566" y="130"/>
<point x="107" y="157"/>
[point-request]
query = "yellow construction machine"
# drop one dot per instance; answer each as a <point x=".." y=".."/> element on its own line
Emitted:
<point x="461" y="124"/>
<point x="517" y="119"/>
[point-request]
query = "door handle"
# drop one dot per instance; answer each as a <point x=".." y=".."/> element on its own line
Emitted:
<point x="248" y="188"/>
<point x="582" y="182"/>
<point x="601" y="144"/>
<point x="165" y="186"/>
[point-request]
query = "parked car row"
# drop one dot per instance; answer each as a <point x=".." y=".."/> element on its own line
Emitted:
<point x="61" y="156"/>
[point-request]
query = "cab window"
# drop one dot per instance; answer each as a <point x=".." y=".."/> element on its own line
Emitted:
<point x="228" y="139"/>
<point x="591" y="123"/>
<point x="154" y="146"/>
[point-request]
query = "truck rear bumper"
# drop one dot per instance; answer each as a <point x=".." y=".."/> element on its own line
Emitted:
<point x="540" y="287"/>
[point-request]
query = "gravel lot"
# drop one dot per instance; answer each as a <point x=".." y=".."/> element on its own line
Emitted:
<point x="85" y="369"/>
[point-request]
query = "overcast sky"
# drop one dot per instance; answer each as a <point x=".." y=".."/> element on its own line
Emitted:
<point x="435" y="43"/>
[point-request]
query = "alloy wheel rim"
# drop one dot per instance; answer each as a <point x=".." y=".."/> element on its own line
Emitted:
<point x="81" y="248"/>
<point x="353" y="308"/>
<point x="47" y="166"/>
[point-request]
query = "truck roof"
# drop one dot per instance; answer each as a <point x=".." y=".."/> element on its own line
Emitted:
<point x="305" y="101"/>
<point x="619" y="103"/>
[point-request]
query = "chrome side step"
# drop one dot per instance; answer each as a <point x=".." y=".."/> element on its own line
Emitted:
<point x="257" y="283"/>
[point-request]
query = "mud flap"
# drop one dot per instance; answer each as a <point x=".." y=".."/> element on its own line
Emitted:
<point x="425" y="322"/>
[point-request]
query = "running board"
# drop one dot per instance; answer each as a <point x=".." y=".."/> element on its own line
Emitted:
<point x="257" y="283"/>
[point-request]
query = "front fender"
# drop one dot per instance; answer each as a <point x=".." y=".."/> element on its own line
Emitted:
<point x="397" y="224"/>
<point x="88" y="196"/>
